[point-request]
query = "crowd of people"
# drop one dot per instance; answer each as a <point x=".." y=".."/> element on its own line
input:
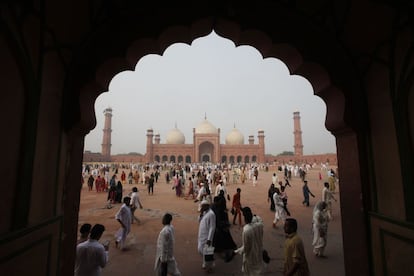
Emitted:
<point x="214" y="235"/>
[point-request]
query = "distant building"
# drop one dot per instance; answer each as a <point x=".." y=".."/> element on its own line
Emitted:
<point x="206" y="147"/>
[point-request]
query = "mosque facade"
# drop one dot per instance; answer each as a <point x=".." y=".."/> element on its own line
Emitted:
<point x="206" y="146"/>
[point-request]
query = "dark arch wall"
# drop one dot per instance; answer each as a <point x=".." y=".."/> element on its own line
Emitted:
<point x="54" y="67"/>
<point x="318" y="58"/>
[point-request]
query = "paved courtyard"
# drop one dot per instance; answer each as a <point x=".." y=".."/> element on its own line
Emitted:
<point x="138" y="259"/>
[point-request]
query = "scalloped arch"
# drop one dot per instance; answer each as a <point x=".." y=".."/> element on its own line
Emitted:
<point x="313" y="72"/>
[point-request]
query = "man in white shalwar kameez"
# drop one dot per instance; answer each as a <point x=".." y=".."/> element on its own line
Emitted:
<point x="206" y="228"/>
<point x="252" y="248"/>
<point x="280" y="212"/>
<point x="164" y="259"/>
<point x="320" y="228"/>
<point x="327" y="197"/>
<point x="124" y="217"/>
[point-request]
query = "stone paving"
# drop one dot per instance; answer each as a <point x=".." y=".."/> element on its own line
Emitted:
<point x="138" y="259"/>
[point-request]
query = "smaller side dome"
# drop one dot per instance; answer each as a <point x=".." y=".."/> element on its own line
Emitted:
<point x="175" y="136"/>
<point x="235" y="137"/>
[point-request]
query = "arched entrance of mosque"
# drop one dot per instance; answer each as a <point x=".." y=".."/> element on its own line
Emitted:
<point x="188" y="159"/>
<point x="205" y="158"/>
<point x="316" y="75"/>
<point x="206" y="150"/>
<point x="180" y="159"/>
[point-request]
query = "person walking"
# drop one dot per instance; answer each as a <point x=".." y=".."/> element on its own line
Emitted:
<point x="327" y="197"/>
<point x="252" y="248"/>
<point x="275" y="179"/>
<point x="151" y="184"/>
<point x="135" y="204"/>
<point x="206" y="232"/>
<point x="165" y="262"/>
<point x="295" y="263"/>
<point x="91" y="255"/>
<point x="123" y="177"/>
<point x="270" y="194"/>
<point x="123" y="216"/>
<point x="284" y="197"/>
<point x="130" y="177"/>
<point x="236" y="206"/>
<point x="280" y="212"/>
<point x="90" y="182"/>
<point x="306" y="193"/>
<point x="320" y="228"/>
<point x="112" y="190"/>
<point x="119" y="191"/>
<point x="223" y="241"/>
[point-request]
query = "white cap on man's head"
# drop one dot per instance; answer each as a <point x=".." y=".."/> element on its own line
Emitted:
<point x="205" y="202"/>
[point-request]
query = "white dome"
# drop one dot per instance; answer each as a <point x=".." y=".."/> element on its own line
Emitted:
<point x="205" y="127"/>
<point x="175" y="136"/>
<point x="235" y="137"/>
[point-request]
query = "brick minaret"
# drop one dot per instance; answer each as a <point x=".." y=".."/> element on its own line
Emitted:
<point x="150" y="147"/>
<point x="261" y="136"/>
<point x="251" y="139"/>
<point x="157" y="138"/>
<point x="298" y="146"/>
<point x="106" y="140"/>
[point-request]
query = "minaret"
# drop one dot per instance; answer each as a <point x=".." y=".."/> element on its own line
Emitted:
<point x="297" y="132"/>
<point x="106" y="140"/>
<point x="251" y="139"/>
<point x="261" y="136"/>
<point x="157" y="138"/>
<point x="150" y="149"/>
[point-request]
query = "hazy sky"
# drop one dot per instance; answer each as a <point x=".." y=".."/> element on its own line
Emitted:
<point x="231" y="85"/>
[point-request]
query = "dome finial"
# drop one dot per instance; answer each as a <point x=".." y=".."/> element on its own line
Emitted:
<point x="234" y="126"/>
<point x="205" y="115"/>
<point x="175" y="124"/>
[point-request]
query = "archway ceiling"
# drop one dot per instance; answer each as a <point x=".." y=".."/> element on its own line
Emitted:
<point x="315" y="73"/>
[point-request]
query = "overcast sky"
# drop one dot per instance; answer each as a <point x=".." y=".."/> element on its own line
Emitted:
<point x="231" y="85"/>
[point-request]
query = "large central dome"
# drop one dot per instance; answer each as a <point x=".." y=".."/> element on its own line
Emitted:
<point x="205" y="127"/>
<point x="235" y="137"/>
<point x="175" y="136"/>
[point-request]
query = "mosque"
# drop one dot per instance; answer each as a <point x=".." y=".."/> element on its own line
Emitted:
<point x="206" y="146"/>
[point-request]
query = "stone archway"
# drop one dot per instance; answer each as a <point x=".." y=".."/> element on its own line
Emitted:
<point x="55" y="67"/>
<point x="206" y="152"/>
<point x="316" y="74"/>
